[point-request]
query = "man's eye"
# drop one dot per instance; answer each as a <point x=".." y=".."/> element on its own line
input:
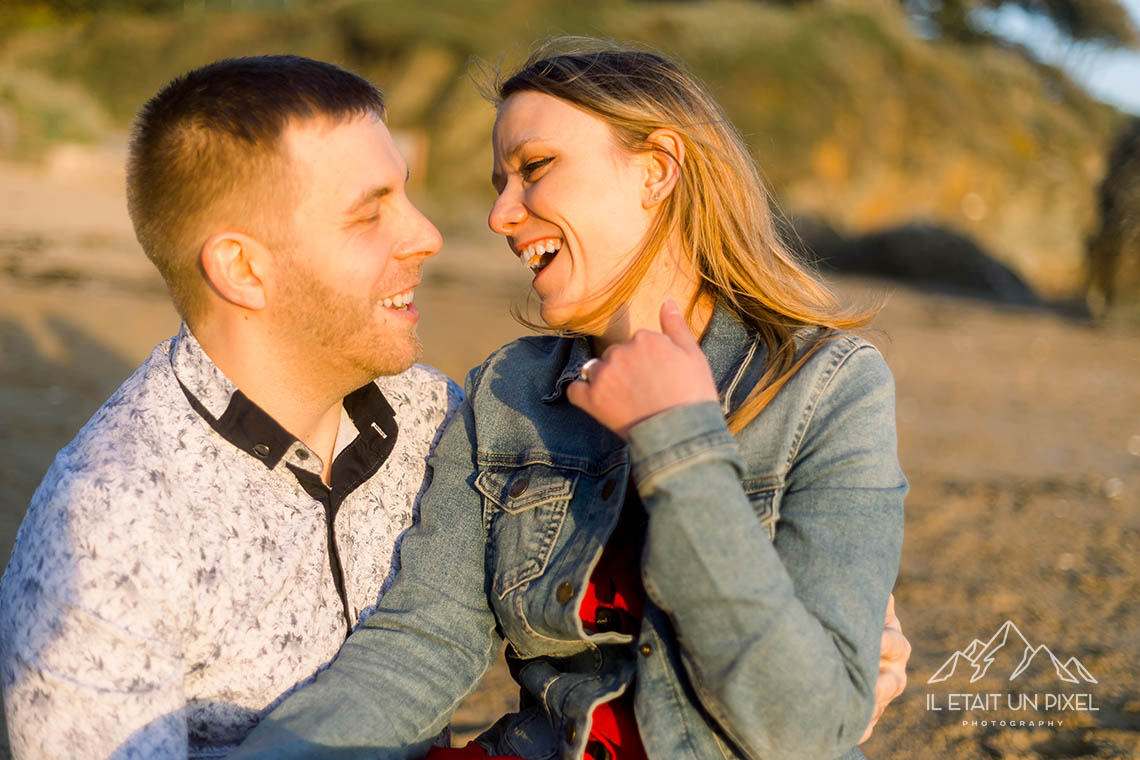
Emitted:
<point x="531" y="167"/>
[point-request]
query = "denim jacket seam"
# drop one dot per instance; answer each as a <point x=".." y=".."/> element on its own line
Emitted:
<point x="691" y="452"/>
<point x="675" y="691"/>
<point x="540" y="498"/>
<point x="511" y="462"/>
<point x="819" y="390"/>
<point x="714" y="706"/>
<point x="476" y="378"/>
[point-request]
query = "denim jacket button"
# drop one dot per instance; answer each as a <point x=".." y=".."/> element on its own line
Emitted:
<point x="571" y="732"/>
<point x="518" y="488"/>
<point x="645" y="650"/>
<point x="565" y="592"/>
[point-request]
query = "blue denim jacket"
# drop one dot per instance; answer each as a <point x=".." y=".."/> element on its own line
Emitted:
<point x="767" y="564"/>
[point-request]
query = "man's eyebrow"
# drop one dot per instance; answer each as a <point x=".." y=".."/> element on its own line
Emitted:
<point x="368" y="196"/>
<point x="372" y="194"/>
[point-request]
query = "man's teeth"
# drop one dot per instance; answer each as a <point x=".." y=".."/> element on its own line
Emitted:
<point x="537" y="255"/>
<point x="398" y="301"/>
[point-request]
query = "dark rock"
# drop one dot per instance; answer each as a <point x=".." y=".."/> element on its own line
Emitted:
<point x="923" y="255"/>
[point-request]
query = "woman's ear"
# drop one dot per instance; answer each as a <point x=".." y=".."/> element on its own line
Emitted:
<point x="665" y="155"/>
<point x="233" y="264"/>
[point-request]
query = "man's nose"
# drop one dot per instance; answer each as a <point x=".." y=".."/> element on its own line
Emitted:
<point x="424" y="239"/>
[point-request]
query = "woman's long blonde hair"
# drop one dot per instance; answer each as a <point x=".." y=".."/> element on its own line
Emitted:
<point x="719" y="206"/>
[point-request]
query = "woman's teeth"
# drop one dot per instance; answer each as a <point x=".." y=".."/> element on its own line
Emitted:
<point x="399" y="301"/>
<point x="537" y="255"/>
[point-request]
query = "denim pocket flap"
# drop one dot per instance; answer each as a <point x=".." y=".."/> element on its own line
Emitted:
<point x="524" y="488"/>
<point x="765" y="501"/>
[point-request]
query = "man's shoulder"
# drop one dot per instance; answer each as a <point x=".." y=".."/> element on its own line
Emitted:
<point x="136" y="426"/>
<point x="421" y="389"/>
<point x="125" y="452"/>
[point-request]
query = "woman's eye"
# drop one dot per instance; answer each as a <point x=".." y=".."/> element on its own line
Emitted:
<point x="531" y="167"/>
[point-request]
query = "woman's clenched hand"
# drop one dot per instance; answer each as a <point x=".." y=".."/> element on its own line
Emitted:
<point x="646" y="375"/>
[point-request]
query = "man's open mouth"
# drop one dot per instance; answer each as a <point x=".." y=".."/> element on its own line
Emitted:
<point x="399" y="302"/>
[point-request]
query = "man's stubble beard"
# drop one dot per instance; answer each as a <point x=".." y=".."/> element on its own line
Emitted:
<point x="340" y="331"/>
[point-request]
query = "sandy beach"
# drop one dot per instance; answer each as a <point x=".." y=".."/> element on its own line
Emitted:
<point x="1019" y="432"/>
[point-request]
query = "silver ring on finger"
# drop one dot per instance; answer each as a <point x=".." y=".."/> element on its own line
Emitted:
<point x="584" y="371"/>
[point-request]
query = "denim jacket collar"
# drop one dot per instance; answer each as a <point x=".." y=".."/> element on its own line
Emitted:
<point x="727" y="343"/>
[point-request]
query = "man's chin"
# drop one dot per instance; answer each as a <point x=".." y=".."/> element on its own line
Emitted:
<point x="397" y="359"/>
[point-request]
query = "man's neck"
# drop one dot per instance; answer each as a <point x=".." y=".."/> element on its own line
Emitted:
<point x="301" y="398"/>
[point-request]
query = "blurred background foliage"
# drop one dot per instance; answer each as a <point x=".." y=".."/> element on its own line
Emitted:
<point x="863" y="115"/>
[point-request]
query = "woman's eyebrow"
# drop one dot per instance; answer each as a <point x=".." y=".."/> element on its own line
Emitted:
<point x="496" y="175"/>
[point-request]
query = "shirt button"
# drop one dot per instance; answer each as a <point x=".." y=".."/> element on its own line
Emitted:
<point x="571" y="732"/>
<point x="302" y="454"/>
<point x="608" y="489"/>
<point x="261" y="450"/>
<point x="518" y="488"/>
<point x="565" y="592"/>
<point x="645" y="650"/>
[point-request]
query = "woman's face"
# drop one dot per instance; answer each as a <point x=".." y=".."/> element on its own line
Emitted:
<point x="572" y="203"/>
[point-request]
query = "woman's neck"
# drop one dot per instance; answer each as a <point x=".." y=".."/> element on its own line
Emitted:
<point x="643" y="312"/>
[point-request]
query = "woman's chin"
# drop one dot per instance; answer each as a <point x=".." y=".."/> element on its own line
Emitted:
<point x="557" y="314"/>
<point x="554" y="315"/>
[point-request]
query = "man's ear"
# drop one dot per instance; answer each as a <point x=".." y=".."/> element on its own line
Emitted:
<point x="665" y="157"/>
<point x="235" y="265"/>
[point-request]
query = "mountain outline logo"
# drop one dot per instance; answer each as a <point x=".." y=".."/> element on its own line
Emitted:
<point x="981" y="655"/>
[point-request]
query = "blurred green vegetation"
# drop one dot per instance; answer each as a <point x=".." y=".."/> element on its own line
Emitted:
<point x="851" y="115"/>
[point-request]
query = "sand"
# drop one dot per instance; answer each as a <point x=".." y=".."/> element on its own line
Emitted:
<point x="1019" y="432"/>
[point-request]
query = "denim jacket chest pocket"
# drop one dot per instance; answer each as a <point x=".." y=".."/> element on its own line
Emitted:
<point x="523" y="512"/>
<point x="764" y="495"/>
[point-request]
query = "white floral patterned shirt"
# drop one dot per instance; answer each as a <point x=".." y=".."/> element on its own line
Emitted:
<point x="175" y="575"/>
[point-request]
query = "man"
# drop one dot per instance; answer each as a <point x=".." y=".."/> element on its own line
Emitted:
<point x="212" y="534"/>
<point x="214" y="531"/>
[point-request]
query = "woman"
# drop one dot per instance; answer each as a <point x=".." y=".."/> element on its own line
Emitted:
<point x="687" y="543"/>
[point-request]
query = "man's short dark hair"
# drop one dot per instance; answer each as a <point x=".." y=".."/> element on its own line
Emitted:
<point x="206" y="155"/>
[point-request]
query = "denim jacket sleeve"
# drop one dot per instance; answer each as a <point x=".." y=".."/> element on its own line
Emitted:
<point x="780" y="639"/>
<point x="371" y="704"/>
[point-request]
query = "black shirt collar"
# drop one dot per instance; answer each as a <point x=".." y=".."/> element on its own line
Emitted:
<point x="251" y="429"/>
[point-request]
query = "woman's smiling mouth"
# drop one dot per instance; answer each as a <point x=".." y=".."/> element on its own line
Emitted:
<point x="538" y="254"/>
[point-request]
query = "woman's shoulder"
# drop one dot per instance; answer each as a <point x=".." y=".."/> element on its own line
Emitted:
<point x="531" y="357"/>
<point x="841" y="372"/>
<point x="837" y="357"/>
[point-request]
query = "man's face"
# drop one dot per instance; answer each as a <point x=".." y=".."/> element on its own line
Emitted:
<point x="342" y="293"/>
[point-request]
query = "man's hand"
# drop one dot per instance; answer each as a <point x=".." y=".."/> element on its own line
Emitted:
<point x="892" y="666"/>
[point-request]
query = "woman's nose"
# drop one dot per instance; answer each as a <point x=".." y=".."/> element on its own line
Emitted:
<point x="506" y="214"/>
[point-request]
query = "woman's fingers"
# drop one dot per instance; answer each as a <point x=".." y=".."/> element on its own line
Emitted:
<point x="646" y="375"/>
<point x="676" y="328"/>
